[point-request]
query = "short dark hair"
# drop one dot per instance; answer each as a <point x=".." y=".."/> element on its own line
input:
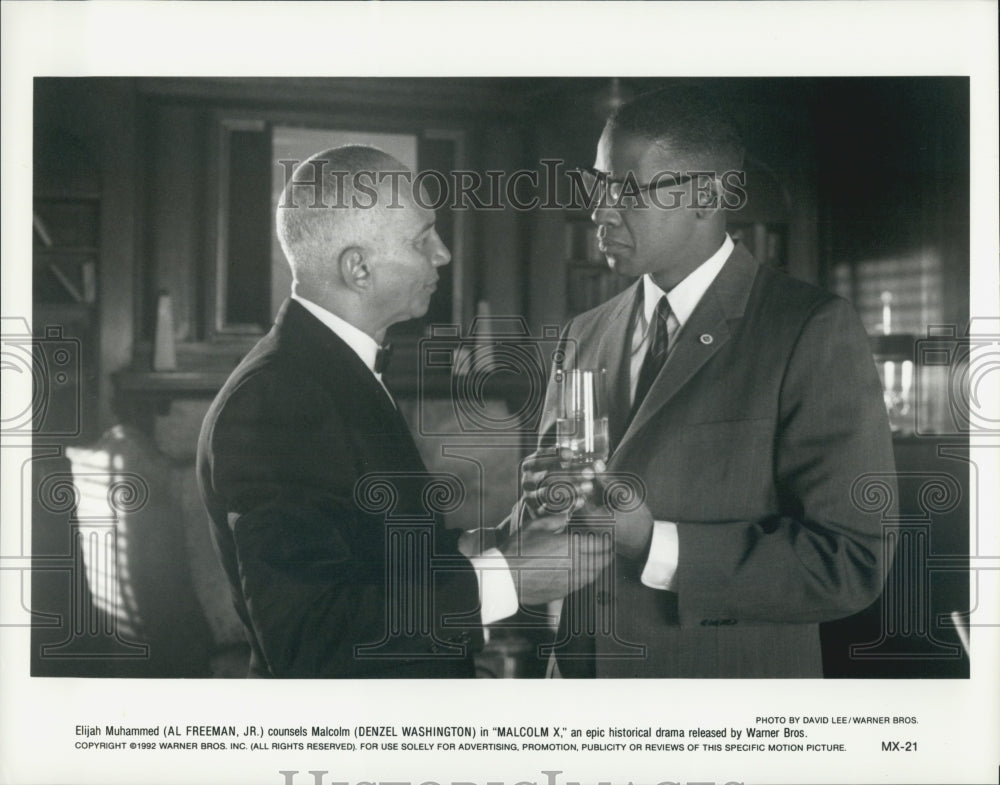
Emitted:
<point x="689" y="119"/>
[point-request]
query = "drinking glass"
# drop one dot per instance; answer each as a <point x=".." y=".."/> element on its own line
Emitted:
<point x="582" y="415"/>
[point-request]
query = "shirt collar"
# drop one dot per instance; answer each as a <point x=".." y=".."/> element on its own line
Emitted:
<point x="684" y="297"/>
<point x="360" y="342"/>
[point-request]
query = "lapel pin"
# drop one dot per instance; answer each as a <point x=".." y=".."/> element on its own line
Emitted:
<point x="706" y="339"/>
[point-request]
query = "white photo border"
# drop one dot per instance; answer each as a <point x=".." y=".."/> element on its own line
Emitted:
<point x="959" y="719"/>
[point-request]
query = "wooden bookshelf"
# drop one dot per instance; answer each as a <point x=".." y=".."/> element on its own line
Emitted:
<point x="66" y="239"/>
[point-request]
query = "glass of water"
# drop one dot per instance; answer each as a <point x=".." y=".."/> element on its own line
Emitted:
<point x="582" y="416"/>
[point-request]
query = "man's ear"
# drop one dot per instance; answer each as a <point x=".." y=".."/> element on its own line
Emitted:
<point x="355" y="268"/>
<point x="707" y="191"/>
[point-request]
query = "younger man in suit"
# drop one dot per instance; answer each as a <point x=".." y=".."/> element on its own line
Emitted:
<point x="747" y="406"/>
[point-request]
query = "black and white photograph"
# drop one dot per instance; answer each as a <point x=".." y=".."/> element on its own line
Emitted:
<point x="664" y="394"/>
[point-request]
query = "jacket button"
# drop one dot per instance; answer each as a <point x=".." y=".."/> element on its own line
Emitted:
<point x="706" y="339"/>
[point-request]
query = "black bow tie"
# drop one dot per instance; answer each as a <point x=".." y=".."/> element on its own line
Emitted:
<point x="382" y="357"/>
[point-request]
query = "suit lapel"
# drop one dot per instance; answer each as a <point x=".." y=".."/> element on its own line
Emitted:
<point x="689" y="354"/>
<point x="705" y="333"/>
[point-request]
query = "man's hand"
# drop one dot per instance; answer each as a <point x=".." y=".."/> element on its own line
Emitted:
<point x="633" y="529"/>
<point x="553" y="485"/>
<point x="548" y="561"/>
<point x="618" y="498"/>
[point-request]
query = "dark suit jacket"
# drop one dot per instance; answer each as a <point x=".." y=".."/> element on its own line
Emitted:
<point x="318" y="565"/>
<point x="767" y="411"/>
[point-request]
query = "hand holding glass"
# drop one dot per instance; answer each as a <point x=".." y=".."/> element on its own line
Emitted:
<point x="557" y="480"/>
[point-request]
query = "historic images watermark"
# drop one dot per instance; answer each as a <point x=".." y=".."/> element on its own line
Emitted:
<point x="47" y="364"/>
<point x="36" y="370"/>
<point x="552" y="186"/>
<point x="551" y="777"/>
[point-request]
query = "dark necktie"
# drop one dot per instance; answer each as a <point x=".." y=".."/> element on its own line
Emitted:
<point x="382" y="358"/>
<point x="656" y="354"/>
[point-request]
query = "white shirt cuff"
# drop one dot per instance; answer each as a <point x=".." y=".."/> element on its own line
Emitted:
<point x="497" y="594"/>
<point x="660" y="571"/>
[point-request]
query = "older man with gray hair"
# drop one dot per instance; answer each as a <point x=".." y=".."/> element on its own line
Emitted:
<point x="305" y="424"/>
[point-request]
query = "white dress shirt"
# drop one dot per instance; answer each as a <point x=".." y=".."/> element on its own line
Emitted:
<point x="660" y="571"/>
<point x="497" y="595"/>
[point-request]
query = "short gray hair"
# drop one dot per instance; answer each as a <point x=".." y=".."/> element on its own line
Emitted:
<point x="309" y="227"/>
